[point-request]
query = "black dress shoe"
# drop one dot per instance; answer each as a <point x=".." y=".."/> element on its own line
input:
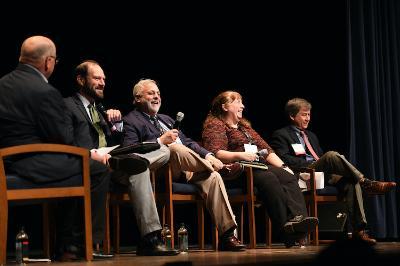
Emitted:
<point x="300" y="225"/>
<point x="69" y="253"/>
<point x="130" y="163"/>
<point x="154" y="247"/>
<point x="231" y="243"/>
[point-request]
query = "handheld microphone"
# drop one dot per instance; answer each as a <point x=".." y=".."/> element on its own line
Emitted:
<point x="261" y="154"/>
<point x="178" y="120"/>
<point x="103" y="112"/>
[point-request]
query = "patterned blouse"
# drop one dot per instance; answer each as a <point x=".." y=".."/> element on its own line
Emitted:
<point x="219" y="136"/>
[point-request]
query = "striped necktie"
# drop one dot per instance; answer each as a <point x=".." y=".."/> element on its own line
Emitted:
<point x="308" y="145"/>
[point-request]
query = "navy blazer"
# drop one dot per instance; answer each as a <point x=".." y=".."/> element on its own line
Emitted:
<point x="138" y="128"/>
<point x="282" y="140"/>
<point x="84" y="131"/>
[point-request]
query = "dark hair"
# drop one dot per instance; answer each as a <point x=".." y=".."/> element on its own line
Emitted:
<point x="294" y="105"/>
<point x="82" y="68"/>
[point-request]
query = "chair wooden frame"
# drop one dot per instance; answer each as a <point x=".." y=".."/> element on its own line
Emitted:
<point x="312" y="199"/>
<point x="7" y="195"/>
<point x="166" y="199"/>
<point x="250" y="199"/>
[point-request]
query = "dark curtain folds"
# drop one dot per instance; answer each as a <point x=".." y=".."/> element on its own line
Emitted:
<point x="373" y="32"/>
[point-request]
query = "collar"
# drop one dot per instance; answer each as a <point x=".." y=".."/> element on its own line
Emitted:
<point x="40" y="73"/>
<point x="84" y="100"/>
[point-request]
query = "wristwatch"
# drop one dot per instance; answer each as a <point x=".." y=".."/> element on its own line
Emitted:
<point x="284" y="165"/>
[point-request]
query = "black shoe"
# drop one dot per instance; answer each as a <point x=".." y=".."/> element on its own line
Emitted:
<point x="130" y="163"/>
<point x="231" y="243"/>
<point x="69" y="253"/>
<point x="152" y="246"/>
<point x="300" y="225"/>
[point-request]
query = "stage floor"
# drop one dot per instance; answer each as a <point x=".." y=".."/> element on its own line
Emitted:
<point x="386" y="253"/>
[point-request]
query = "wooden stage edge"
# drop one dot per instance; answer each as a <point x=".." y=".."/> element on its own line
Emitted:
<point x="384" y="253"/>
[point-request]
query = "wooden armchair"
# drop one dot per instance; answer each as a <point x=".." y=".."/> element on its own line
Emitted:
<point x="15" y="188"/>
<point x="248" y="196"/>
<point x="166" y="193"/>
<point x="313" y="197"/>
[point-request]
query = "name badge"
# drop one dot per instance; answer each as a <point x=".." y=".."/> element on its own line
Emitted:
<point x="250" y="148"/>
<point x="298" y="149"/>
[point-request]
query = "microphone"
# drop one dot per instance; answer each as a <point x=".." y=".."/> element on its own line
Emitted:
<point x="178" y="120"/>
<point x="103" y="112"/>
<point x="261" y="154"/>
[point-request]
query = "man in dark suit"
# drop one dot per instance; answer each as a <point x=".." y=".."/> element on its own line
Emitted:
<point x="299" y="147"/>
<point x="33" y="111"/>
<point x="95" y="129"/>
<point x="198" y="165"/>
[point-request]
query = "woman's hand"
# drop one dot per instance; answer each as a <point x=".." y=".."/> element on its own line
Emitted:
<point x="248" y="156"/>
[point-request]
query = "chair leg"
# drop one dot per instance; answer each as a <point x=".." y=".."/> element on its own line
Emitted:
<point x="200" y="223"/>
<point x="252" y="226"/>
<point x="314" y="213"/>
<point x="241" y="222"/>
<point x="88" y="229"/>
<point x="107" y="240"/>
<point x="214" y="238"/>
<point x="3" y="233"/>
<point x="116" y="225"/>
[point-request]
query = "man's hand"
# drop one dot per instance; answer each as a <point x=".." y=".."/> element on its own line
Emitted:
<point x="114" y="115"/>
<point x="98" y="157"/>
<point x="216" y="164"/>
<point x="288" y="170"/>
<point x="169" y="137"/>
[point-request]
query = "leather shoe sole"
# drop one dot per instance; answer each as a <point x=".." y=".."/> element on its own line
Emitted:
<point x="129" y="163"/>
<point x="97" y="255"/>
<point x="306" y="225"/>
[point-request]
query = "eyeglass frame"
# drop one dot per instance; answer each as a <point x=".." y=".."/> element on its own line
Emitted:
<point x="56" y="58"/>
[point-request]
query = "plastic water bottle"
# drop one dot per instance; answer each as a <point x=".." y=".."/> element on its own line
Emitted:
<point x="22" y="246"/>
<point x="166" y="237"/>
<point x="183" y="238"/>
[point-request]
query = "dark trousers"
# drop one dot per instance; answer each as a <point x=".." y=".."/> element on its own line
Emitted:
<point x="70" y="216"/>
<point x="279" y="192"/>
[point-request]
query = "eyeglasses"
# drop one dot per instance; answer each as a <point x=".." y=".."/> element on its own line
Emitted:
<point x="56" y="59"/>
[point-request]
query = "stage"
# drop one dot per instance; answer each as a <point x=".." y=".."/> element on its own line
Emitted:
<point x="386" y="253"/>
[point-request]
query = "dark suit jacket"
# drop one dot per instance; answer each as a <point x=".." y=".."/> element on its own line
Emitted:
<point x="33" y="111"/>
<point x="282" y="140"/>
<point x="85" y="133"/>
<point x="138" y="128"/>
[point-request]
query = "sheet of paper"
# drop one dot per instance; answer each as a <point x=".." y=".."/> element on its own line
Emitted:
<point x="105" y="150"/>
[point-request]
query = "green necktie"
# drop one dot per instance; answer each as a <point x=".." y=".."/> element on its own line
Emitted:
<point x="97" y="125"/>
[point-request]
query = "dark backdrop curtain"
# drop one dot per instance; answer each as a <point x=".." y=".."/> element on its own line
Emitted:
<point x="374" y="92"/>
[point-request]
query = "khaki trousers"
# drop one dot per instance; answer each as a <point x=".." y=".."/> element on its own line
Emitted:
<point x="200" y="172"/>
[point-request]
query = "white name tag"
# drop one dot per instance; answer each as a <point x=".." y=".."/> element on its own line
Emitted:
<point x="250" y="148"/>
<point x="298" y="149"/>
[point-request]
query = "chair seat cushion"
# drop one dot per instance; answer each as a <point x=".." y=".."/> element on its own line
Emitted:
<point x="16" y="182"/>
<point x="326" y="191"/>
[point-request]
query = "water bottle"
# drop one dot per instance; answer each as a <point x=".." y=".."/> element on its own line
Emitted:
<point x="183" y="238"/>
<point x="166" y="237"/>
<point x="21" y="246"/>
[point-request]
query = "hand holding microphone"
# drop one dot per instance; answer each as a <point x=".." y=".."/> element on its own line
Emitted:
<point x="103" y="112"/>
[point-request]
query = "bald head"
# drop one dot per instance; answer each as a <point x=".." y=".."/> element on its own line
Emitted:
<point x="40" y="52"/>
<point x="35" y="49"/>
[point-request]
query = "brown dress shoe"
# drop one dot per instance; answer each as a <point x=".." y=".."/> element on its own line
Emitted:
<point x="362" y="235"/>
<point x="376" y="187"/>
<point x="231" y="243"/>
